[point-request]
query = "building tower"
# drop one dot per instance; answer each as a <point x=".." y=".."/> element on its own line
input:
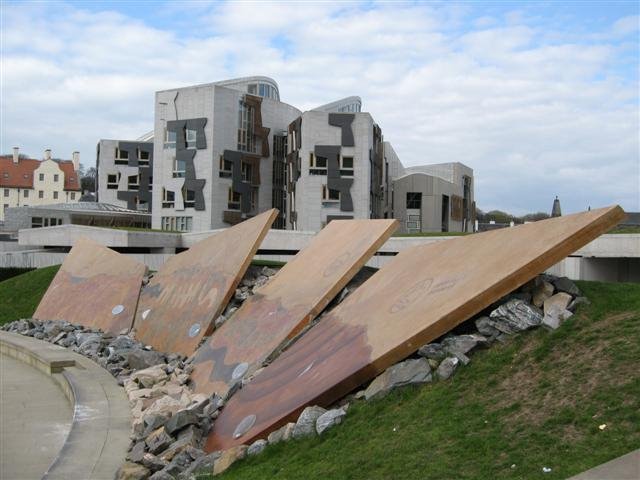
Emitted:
<point x="555" y="210"/>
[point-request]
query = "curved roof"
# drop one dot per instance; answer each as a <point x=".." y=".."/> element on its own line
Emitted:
<point x="343" y="102"/>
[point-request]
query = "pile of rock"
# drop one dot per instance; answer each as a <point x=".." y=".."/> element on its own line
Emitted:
<point x="546" y="300"/>
<point x="170" y="423"/>
<point x="119" y="354"/>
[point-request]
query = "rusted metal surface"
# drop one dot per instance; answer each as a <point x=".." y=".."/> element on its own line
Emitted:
<point x="422" y="294"/>
<point x="284" y="306"/>
<point x="178" y="306"/>
<point x="95" y="287"/>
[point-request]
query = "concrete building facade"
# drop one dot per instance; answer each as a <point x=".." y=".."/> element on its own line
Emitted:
<point x="125" y="173"/>
<point x="225" y="151"/>
<point x="434" y="198"/>
<point x="214" y="152"/>
<point x="27" y="181"/>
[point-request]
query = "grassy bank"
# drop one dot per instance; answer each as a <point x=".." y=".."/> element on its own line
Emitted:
<point x="535" y="402"/>
<point x="20" y="295"/>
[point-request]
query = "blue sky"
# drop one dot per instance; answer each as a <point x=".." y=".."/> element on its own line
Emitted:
<point x="539" y="98"/>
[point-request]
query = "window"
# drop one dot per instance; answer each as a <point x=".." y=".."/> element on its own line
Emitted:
<point x="112" y="182"/>
<point x="252" y="88"/>
<point x="168" y="198"/>
<point x="36" y="222"/>
<point x="330" y="195"/>
<point x="317" y="165"/>
<point x="179" y="167"/>
<point x="181" y="224"/>
<point x="55" y="195"/>
<point x="190" y="136"/>
<point x="40" y="194"/>
<point x="143" y="157"/>
<point x="6" y="205"/>
<point x="26" y="194"/>
<point x="169" y="139"/>
<point x="189" y="197"/>
<point x="247" y="171"/>
<point x="122" y="157"/>
<point x="414" y="200"/>
<point x="55" y="177"/>
<point x="73" y="195"/>
<point x="233" y="200"/>
<point x="346" y="166"/>
<point x="133" y="182"/>
<point x="6" y="192"/>
<point x="5" y="175"/>
<point x="226" y="168"/>
<point x="245" y="127"/>
<point x="41" y="177"/>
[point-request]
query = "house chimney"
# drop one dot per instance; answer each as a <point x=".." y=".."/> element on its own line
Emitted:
<point x="47" y="154"/>
<point x="75" y="156"/>
<point x="16" y="154"/>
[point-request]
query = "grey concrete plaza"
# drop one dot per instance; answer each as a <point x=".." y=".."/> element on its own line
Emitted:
<point x="35" y="417"/>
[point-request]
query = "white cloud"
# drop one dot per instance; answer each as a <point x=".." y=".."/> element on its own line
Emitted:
<point x="534" y="117"/>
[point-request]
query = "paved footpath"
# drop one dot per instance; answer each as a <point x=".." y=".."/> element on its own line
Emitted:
<point x="35" y="418"/>
<point x="626" y="467"/>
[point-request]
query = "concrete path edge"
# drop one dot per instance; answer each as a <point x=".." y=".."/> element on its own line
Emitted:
<point x="97" y="443"/>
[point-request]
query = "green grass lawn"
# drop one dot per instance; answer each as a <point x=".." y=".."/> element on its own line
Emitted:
<point x="20" y="295"/>
<point x="534" y="402"/>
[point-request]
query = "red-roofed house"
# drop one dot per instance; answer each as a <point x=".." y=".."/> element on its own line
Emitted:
<point x="26" y="181"/>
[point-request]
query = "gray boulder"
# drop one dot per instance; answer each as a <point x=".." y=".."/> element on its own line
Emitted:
<point x="447" y="367"/>
<point x="563" y="284"/>
<point x="412" y="371"/>
<point x="158" y="440"/>
<point x="515" y="316"/>
<point x="433" y="351"/>
<point x="257" y="447"/>
<point x="306" y="424"/>
<point x="140" y="359"/>
<point x="180" y="420"/>
<point x="329" y="418"/>
<point x="485" y="327"/>
<point x="203" y="464"/>
<point x="555" y="318"/>
<point x="462" y="344"/>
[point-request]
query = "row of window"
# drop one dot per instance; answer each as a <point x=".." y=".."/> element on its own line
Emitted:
<point x="56" y="176"/>
<point x="37" y="222"/>
<point x="351" y="108"/>
<point x="133" y="181"/>
<point x="122" y="157"/>
<point x="180" y="224"/>
<point x="25" y="194"/>
<point x="169" y="198"/>
<point x="188" y="135"/>
<point x="318" y="165"/>
<point x="263" y="90"/>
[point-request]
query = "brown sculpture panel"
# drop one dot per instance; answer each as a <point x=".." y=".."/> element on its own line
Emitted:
<point x="285" y="305"/>
<point x="178" y="306"/>
<point x="420" y="295"/>
<point x="95" y="287"/>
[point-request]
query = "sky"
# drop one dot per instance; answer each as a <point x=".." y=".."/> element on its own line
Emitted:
<point x="539" y="98"/>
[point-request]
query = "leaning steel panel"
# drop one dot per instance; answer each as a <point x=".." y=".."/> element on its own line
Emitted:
<point x="283" y="307"/>
<point x="420" y="295"/>
<point x="178" y="306"/>
<point x="95" y="287"/>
